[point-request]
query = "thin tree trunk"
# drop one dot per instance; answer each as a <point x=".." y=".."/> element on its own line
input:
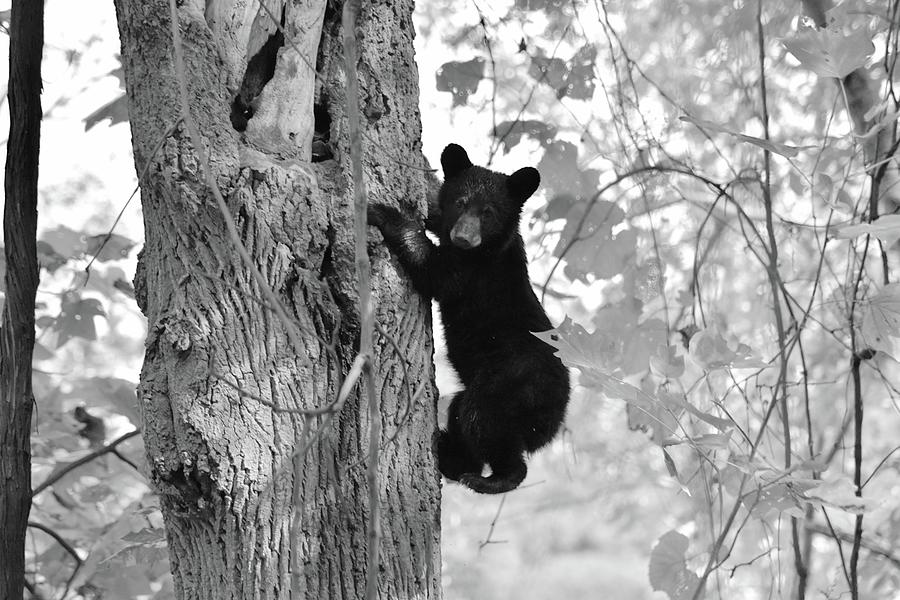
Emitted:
<point x="26" y="44"/>
<point x="261" y="502"/>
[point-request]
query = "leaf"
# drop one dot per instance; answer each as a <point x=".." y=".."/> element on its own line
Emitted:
<point x="460" y="79"/>
<point x="780" y="149"/>
<point x="716" y="441"/>
<point x="589" y="246"/>
<point x="717" y="422"/>
<point x="41" y="352"/>
<point x="579" y="83"/>
<point x="110" y="246"/>
<point x="561" y="175"/>
<point x="770" y="500"/>
<point x="668" y="570"/>
<point x="670" y="464"/>
<point x="124" y="286"/>
<point x="550" y="71"/>
<point x="711" y="351"/>
<point x="619" y="346"/>
<point x="146" y="536"/>
<point x="573" y="78"/>
<point x="544" y="5"/>
<point x="599" y="357"/>
<point x="658" y="415"/>
<point x="667" y="363"/>
<point x="881" y="320"/>
<point x="559" y="206"/>
<point x="840" y="493"/>
<point x="67" y="242"/>
<point x="116" y="111"/>
<point x="48" y="258"/>
<point x="578" y="348"/>
<point x="646" y="280"/>
<point x="77" y="319"/>
<point x="511" y="132"/>
<point x="886" y="229"/>
<point x="831" y="52"/>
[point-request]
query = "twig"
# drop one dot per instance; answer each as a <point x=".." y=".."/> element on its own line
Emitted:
<point x="126" y="460"/>
<point x="524" y="107"/>
<point x="599" y="194"/>
<point x="837" y="541"/>
<point x="64" y="470"/>
<point x="855" y="362"/>
<point x="879" y="465"/>
<point x="488" y="539"/>
<point x="32" y="590"/>
<point x="134" y="192"/>
<point x="363" y="270"/>
<point x="774" y="281"/>
<point x="311" y="412"/>
<point x="871" y="546"/>
<point x="490" y="52"/>
<point x="67" y="547"/>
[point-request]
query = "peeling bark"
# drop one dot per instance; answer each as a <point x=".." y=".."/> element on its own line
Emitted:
<point x="260" y="502"/>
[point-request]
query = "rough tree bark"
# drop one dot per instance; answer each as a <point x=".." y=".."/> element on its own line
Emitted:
<point x="26" y="44"/>
<point x="260" y="501"/>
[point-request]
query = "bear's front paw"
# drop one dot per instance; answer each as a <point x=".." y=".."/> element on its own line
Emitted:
<point x="379" y="215"/>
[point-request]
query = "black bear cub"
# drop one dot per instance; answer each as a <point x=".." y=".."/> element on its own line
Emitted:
<point x="516" y="390"/>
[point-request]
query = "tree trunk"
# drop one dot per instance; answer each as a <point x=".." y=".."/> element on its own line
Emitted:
<point x="260" y="500"/>
<point x="26" y="44"/>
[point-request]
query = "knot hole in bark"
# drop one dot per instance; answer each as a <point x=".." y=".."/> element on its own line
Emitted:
<point x="321" y="150"/>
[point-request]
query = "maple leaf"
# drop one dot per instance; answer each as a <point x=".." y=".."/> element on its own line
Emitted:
<point x="668" y="568"/>
<point x="881" y="319"/>
<point x="460" y="79"/>
<point x="711" y="351"/>
<point x="667" y="363"/>
<point x="831" y="52"/>
<point x="111" y="246"/>
<point x="589" y="246"/>
<point x="77" y="319"/>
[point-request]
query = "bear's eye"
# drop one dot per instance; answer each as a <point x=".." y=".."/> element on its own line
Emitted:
<point x="461" y="202"/>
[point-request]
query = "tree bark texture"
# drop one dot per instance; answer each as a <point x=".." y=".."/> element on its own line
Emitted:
<point x="26" y="44"/>
<point x="261" y="502"/>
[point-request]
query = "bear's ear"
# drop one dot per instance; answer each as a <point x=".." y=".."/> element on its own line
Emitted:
<point x="523" y="183"/>
<point x="454" y="160"/>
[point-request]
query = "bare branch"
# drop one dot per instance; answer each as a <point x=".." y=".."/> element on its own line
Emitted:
<point x="64" y="470"/>
<point x="67" y="547"/>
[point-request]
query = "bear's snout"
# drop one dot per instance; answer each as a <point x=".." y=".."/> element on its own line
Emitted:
<point x="466" y="233"/>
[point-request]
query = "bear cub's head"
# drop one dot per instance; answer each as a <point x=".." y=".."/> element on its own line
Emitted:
<point x="480" y="208"/>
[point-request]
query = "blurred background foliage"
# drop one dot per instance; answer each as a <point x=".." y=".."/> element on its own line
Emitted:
<point x="668" y="223"/>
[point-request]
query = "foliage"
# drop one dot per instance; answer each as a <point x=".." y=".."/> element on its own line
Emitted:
<point x="98" y="499"/>
<point x="725" y="252"/>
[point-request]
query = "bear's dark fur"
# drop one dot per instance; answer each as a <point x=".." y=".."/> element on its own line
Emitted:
<point x="516" y="390"/>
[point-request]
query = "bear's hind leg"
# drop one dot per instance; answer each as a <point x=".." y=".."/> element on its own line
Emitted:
<point x="454" y="455"/>
<point x="506" y="475"/>
<point x="498" y="439"/>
